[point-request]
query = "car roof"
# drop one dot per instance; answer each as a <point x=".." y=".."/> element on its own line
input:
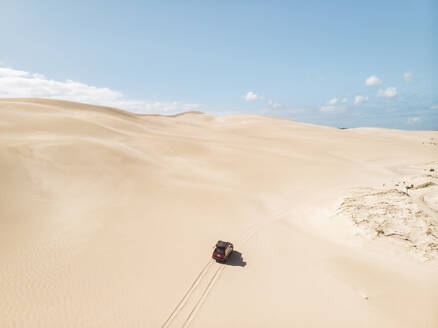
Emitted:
<point x="221" y="244"/>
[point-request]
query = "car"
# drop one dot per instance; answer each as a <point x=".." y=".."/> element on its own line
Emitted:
<point x="222" y="251"/>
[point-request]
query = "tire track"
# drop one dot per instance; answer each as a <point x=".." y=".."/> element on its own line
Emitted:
<point x="203" y="296"/>
<point x="211" y="282"/>
<point x="186" y="296"/>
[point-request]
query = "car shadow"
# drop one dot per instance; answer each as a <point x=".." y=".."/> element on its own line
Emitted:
<point x="235" y="259"/>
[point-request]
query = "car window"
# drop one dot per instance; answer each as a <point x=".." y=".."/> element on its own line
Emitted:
<point x="220" y="251"/>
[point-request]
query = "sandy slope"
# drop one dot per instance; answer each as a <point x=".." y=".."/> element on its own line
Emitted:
<point x="107" y="219"/>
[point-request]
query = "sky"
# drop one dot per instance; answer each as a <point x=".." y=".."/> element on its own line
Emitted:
<point x="337" y="63"/>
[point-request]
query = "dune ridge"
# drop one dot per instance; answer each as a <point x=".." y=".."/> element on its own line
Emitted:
<point x="108" y="218"/>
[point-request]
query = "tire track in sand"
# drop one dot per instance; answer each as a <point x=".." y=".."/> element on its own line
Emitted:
<point x="203" y="296"/>
<point x="209" y="284"/>
<point x="186" y="296"/>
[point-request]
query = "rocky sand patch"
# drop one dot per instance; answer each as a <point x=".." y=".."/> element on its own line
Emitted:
<point x="404" y="211"/>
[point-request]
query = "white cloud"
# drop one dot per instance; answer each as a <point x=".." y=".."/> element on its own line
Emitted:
<point x="434" y="107"/>
<point x="250" y="96"/>
<point x="412" y="120"/>
<point x="139" y="106"/>
<point x="273" y="104"/>
<point x="21" y="84"/>
<point x="373" y="80"/>
<point x="331" y="109"/>
<point x="38" y="76"/>
<point x="360" y="99"/>
<point x="332" y="101"/>
<point x="408" y="77"/>
<point x="344" y="100"/>
<point x="8" y="72"/>
<point x="388" y="93"/>
<point x="327" y="108"/>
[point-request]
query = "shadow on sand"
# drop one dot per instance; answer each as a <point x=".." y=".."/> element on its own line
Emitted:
<point x="235" y="259"/>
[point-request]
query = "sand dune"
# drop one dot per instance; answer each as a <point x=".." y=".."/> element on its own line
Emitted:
<point x="108" y="219"/>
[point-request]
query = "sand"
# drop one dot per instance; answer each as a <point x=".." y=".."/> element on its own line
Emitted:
<point x="108" y="219"/>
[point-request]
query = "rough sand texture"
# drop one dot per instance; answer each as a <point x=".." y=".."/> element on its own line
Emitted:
<point x="404" y="211"/>
<point x="108" y="219"/>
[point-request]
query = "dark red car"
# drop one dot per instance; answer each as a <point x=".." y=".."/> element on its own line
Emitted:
<point x="222" y="251"/>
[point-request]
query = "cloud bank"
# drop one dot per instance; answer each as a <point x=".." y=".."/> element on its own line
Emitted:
<point x="22" y="84"/>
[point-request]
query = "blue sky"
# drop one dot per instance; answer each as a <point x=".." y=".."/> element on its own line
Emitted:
<point x="305" y="60"/>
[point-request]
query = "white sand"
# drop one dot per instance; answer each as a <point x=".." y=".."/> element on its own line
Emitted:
<point x="108" y="219"/>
